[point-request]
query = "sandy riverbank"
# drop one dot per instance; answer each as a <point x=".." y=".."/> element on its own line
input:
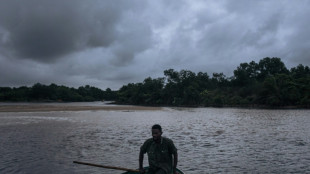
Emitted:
<point x="46" y="108"/>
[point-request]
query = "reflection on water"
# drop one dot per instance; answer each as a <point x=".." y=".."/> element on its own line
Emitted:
<point x="209" y="140"/>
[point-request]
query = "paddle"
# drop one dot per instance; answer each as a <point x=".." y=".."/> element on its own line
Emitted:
<point x="107" y="167"/>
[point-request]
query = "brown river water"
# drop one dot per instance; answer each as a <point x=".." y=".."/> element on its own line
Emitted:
<point x="209" y="140"/>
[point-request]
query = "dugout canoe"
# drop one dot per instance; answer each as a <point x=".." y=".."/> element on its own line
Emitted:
<point x="128" y="171"/>
<point x="178" y="170"/>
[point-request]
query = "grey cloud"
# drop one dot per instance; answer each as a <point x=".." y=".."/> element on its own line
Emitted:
<point x="296" y="35"/>
<point x="264" y="35"/>
<point x="45" y="30"/>
<point x="112" y="43"/>
<point x="37" y="30"/>
<point x="131" y="41"/>
<point x="23" y="72"/>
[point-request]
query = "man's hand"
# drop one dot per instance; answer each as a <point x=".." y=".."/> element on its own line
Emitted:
<point x="175" y="171"/>
<point x="141" y="156"/>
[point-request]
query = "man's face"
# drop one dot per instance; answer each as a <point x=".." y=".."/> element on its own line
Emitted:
<point x="156" y="133"/>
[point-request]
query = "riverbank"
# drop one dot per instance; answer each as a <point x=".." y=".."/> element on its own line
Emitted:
<point x="59" y="107"/>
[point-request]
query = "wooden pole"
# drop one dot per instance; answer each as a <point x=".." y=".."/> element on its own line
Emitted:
<point x="107" y="167"/>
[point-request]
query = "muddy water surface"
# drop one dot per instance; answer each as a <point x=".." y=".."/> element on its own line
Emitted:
<point x="209" y="140"/>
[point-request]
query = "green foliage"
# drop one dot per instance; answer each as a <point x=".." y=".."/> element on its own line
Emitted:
<point x="40" y="92"/>
<point x="271" y="66"/>
<point x="147" y="93"/>
<point x="246" y="74"/>
<point x="267" y="83"/>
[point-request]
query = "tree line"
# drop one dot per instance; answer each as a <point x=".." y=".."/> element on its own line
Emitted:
<point x="265" y="83"/>
<point x="51" y="93"/>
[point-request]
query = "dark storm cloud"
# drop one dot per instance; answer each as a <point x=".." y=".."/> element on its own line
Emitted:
<point x="45" y="30"/>
<point x="109" y="43"/>
<point x="36" y="31"/>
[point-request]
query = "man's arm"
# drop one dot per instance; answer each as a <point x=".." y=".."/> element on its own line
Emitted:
<point x="175" y="162"/>
<point x="141" y="156"/>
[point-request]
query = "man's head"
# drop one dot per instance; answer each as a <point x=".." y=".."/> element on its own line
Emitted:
<point x="156" y="133"/>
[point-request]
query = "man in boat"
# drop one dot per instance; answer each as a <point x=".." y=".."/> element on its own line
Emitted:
<point x="160" y="151"/>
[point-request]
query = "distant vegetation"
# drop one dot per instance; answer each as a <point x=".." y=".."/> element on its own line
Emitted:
<point x="267" y="83"/>
<point x="53" y="92"/>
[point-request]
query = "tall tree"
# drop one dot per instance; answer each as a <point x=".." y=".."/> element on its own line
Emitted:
<point x="271" y="66"/>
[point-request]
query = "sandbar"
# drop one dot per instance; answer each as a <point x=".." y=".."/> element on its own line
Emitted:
<point x="58" y="107"/>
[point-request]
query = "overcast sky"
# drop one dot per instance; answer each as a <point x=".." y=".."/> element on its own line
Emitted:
<point x="110" y="43"/>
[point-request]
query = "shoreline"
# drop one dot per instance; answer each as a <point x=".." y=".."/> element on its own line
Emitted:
<point x="48" y="108"/>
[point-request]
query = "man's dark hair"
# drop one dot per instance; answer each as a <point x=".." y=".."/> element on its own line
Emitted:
<point x="157" y="126"/>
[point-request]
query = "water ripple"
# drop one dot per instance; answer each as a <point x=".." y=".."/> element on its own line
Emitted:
<point x="209" y="140"/>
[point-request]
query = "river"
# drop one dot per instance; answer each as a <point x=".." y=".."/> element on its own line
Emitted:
<point x="209" y="140"/>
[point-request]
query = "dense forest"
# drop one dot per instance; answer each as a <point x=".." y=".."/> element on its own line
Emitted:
<point x="267" y="83"/>
<point x="51" y="93"/>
